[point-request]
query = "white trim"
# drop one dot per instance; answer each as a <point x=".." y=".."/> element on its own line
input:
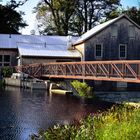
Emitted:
<point x="98" y="57"/>
<point x="125" y="51"/>
<point x="84" y="52"/>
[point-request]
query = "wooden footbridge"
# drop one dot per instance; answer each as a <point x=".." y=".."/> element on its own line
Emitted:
<point x="123" y="71"/>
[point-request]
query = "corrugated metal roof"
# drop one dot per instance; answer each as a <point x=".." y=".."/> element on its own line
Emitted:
<point x="42" y="51"/>
<point x="34" y="45"/>
<point x="96" y="29"/>
<point x="12" y="41"/>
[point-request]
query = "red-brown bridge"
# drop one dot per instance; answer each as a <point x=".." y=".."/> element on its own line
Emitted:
<point x="124" y="71"/>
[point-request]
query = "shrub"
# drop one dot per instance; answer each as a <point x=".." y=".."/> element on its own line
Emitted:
<point x="7" y="71"/>
<point x="2" y="84"/>
<point x="66" y="132"/>
<point x="84" y="131"/>
<point x="82" y="88"/>
<point x="119" y="123"/>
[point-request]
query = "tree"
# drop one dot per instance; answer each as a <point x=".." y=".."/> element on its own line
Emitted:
<point x="74" y="16"/>
<point x="93" y="11"/>
<point x="11" y="20"/>
<point x="133" y="13"/>
<point x="57" y="13"/>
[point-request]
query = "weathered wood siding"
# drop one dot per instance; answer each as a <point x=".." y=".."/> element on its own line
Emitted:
<point x="32" y="60"/>
<point x="111" y="49"/>
<point x="111" y="44"/>
<point x="13" y="55"/>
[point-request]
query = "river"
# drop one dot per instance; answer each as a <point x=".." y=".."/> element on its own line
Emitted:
<point x="24" y="112"/>
<point x="119" y="96"/>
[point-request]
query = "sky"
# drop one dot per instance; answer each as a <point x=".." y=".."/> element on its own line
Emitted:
<point x="30" y="19"/>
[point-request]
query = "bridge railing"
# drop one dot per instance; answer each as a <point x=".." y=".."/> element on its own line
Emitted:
<point x="127" y="71"/>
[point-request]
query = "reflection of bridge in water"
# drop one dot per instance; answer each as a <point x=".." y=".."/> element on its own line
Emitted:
<point x="123" y="71"/>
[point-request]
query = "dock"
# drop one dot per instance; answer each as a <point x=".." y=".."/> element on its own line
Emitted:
<point x="55" y="88"/>
<point x="60" y="91"/>
<point x="33" y="85"/>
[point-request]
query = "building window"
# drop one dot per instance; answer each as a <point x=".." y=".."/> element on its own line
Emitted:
<point x="98" y="50"/>
<point x="0" y="58"/>
<point x="122" y="50"/>
<point x="131" y="31"/>
<point x="114" y="30"/>
<point x="5" y="60"/>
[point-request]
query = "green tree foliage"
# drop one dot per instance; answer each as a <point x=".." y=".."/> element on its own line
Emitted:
<point x="11" y="20"/>
<point x="72" y="17"/>
<point x="132" y="12"/>
<point x="7" y="71"/>
<point x="93" y="11"/>
<point x="56" y="14"/>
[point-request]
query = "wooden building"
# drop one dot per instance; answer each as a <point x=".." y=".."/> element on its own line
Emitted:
<point x="117" y="39"/>
<point x="28" y="49"/>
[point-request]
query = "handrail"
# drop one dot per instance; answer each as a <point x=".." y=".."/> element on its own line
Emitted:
<point x="116" y="70"/>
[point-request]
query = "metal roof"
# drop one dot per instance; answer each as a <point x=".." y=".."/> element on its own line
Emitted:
<point x="41" y="51"/>
<point x="11" y="40"/>
<point x="35" y="45"/>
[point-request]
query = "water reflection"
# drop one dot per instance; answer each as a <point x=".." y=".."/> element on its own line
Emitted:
<point x="23" y="112"/>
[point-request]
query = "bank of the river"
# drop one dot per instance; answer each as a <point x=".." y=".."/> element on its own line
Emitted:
<point x="118" y="123"/>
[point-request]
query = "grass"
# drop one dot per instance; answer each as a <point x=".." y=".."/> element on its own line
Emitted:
<point x="121" y="123"/>
<point x="118" y="123"/>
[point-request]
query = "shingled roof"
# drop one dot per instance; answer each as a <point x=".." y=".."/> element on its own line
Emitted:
<point x="101" y="27"/>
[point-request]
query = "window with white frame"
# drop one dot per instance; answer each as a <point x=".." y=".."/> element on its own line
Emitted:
<point x="5" y="60"/>
<point x="131" y="31"/>
<point x="122" y="51"/>
<point x="114" y="30"/>
<point x="98" y="50"/>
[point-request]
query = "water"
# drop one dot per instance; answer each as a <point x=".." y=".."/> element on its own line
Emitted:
<point x="120" y="96"/>
<point x="23" y="112"/>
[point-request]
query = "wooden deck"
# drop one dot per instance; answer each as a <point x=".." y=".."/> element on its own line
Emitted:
<point x="123" y="71"/>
